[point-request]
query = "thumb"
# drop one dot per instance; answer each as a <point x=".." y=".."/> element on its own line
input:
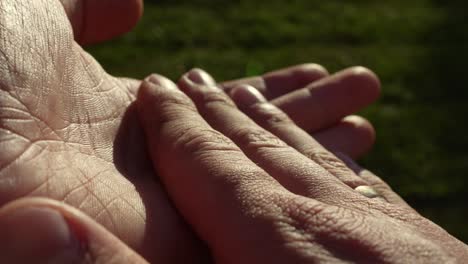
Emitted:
<point x="37" y="230"/>
<point x="98" y="20"/>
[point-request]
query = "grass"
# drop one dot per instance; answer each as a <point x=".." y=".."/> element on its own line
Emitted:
<point x="418" y="48"/>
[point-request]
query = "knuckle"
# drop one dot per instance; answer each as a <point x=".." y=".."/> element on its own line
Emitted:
<point x="167" y="100"/>
<point x="257" y="138"/>
<point x="161" y="81"/>
<point x="270" y="115"/>
<point x="266" y="204"/>
<point x="217" y="98"/>
<point x="335" y="166"/>
<point x="200" y="140"/>
<point x="315" y="220"/>
<point x="301" y="213"/>
<point x="305" y="214"/>
<point x="325" y="159"/>
<point x="177" y="101"/>
<point x="365" y="77"/>
<point x="173" y="109"/>
<point x="360" y="70"/>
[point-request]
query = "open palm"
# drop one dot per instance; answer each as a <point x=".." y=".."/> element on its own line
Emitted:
<point x="62" y="133"/>
<point x="68" y="131"/>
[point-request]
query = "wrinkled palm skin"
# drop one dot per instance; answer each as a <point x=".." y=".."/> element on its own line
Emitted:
<point x="67" y="132"/>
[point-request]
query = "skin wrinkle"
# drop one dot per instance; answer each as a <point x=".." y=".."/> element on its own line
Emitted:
<point x="37" y="188"/>
<point x="13" y="134"/>
<point x="38" y="119"/>
<point x="69" y="94"/>
<point x="118" y="197"/>
<point x="271" y="115"/>
<point x="37" y="142"/>
<point x="334" y="166"/>
<point x="206" y="141"/>
<point x="110" y="121"/>
<point x="5" y="166"/>
<point x="328" y="224"/>
<point x="83" y="185"/>
<point x="126" y="201"/>
<point x="214" y="99"/>
<point x="296" y="238"/>
<point x="35" y="118"/>
<point x="91" y="193"/>
<point x="46" y="183"/>
<point x="257" y="139"/>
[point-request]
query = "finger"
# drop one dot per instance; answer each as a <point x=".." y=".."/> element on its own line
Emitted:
<point x="274" y="120"/>
<point x="293" y="170"/>
<point x="37" y="230"/>
<point x="99" y="20"/>
<point x="212" y="183"/>
<point x="353" y="136"/>
<point x="325" y="102"/>
<point x="283" y="81"/>
<point x="374" y="181"/>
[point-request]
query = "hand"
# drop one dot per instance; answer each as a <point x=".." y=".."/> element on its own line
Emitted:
<point x="37" y="230"/>
<point x="68" y="130"/>
<point x="255" y="199"/>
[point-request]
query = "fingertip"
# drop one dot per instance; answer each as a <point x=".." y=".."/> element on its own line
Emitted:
<point x="245" y="95"/>
<point x="353" y="136"/>
<point x="40" y="230"/>
<point x="197" y="76"/>
<point x="135" y="12"/>
<point x="107" y="19"/>
<point x="292" y="78"/>
<point x="367" y="80"/>
<point x="153" y="81"/>
<point x="312" y="70"/>
<point x="364" y="131"/>
<point x="132" y="10"/>
<point x="149" y="94"/>
<point x="301" y="74"/>
<point x="33" y="231"/>
<point x="140" y="9"/>
<point x="159" y="80"/>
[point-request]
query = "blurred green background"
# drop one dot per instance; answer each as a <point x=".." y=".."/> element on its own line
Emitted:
<point x="419" y="49"/>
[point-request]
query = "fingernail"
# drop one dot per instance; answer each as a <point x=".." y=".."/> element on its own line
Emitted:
<point x="246" y="95"/>
<point x="38" y="235"/>
<point x="161" y="81"/>
<point x="201" y="77"/>
<point x="367" y="191"/>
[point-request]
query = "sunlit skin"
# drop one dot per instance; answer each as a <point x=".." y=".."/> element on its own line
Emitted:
<point x="69" y="130"/>
<point x="258" y="189"/>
